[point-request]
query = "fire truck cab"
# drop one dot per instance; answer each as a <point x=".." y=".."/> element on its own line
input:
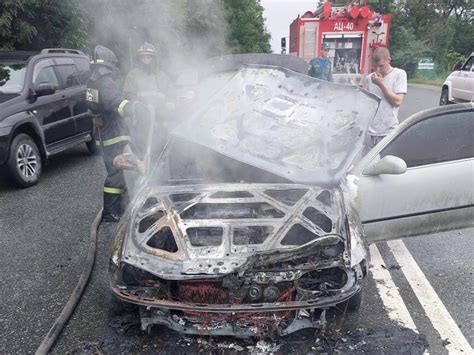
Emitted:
<point x="352" y="31"/>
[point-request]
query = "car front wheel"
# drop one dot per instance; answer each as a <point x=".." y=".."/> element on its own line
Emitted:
<point x="444" y="99"/>
<point x="24" y="161"/>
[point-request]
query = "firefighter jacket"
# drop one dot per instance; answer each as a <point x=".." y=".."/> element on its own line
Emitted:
<point x="105" y="100"/>
<point x="142" y="84"/>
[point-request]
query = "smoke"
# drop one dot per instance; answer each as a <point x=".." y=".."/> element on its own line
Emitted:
<point x="185" y="32"/>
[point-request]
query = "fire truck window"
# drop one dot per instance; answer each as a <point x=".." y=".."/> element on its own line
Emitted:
<point x="435" y="140"/>
<point x="310" y="38"/>
<point x="346" y="54"/>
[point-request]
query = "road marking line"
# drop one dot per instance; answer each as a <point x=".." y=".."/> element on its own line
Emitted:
<point x="434" y="308"/>
<point x="388" y="291"/>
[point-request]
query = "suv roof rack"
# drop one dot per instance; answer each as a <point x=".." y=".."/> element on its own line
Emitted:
<point x="61" y="50"/>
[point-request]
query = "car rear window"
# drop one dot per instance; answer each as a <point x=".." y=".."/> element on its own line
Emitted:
<point x="12" y="77"/>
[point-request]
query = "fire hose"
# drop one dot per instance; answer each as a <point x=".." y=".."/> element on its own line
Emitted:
<point x="54" y="332"/>
<point x="71" y="304"/>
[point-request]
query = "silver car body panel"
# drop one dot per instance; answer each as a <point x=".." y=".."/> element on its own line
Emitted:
<point x="224" y="255"/>
<point x="424" y="199"/>
<point x="303" y="129"/>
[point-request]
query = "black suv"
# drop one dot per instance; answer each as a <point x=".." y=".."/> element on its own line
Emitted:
<point x="43" y="109"/>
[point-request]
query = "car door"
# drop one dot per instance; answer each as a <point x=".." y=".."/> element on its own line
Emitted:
<point x="456" y="83"/>
<point x="52" y="111"/>
<point x="463" y="88"/>
<point x="74" y="88"/>
<point x="436" y="191"/>
<point x="466" y="81"/>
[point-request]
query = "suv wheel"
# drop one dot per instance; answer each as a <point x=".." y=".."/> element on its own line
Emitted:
<point x="444" y="99"/>
<point x="24" y="161"/>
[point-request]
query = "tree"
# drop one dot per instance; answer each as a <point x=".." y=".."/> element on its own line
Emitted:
<point x="184" y="31"/>
<point x="441" y="28"/>
<point x="35" y="24"/>
<point x="406" y="49"/>
<point x="381" y="6"/>
<point x="181" y="29"/>
<point x="457" y="8"/>
<point x="247" y="32"/>
<point x="15" y="29"/>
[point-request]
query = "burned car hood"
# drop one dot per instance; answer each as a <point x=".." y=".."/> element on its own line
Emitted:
<point x="292" y="125"/>
<point x="207" y="230"/>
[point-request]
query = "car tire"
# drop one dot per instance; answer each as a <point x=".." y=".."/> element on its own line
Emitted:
<point x="444" y="99"/>
<point x="24" y="163"/>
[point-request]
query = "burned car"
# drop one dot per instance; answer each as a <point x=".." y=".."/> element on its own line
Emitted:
<point x="248" y="224"/>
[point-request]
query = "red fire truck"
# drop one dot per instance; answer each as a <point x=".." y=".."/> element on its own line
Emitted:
<point x="352" y="31"/>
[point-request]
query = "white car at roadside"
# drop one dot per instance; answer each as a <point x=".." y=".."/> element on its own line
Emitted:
<point x="459" y="86"/>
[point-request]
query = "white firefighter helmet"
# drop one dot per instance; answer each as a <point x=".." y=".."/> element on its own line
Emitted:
<point x="147" y="49"/>
<point x="104" y="56"/>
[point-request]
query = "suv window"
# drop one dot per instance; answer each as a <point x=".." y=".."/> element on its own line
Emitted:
<point x="44" y="73"/>
<point x="84" y="68"/>
<point x="434" y="140"/>
<point x="468" y="65"/>
<point x="68" y="73"/>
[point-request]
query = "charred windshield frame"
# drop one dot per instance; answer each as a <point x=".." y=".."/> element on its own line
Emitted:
<point x="12" y="77"/>
<point x="203" y="165"/>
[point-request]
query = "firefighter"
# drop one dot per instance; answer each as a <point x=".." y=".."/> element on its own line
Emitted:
<point x="151" y="86"/>
<point x="320" y="67"/>
<point x="145" y="80"/>
<point x="109" y="108"/>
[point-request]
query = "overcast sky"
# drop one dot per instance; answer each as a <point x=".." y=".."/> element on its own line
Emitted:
<point x="279" y="14"/>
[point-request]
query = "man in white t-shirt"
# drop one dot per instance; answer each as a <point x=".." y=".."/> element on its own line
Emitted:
<point x="390" y="84"/>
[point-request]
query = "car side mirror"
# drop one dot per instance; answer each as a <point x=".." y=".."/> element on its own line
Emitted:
<point x="389" y="164"/>
<point x="457" y="67"/>
<point x="43" y="89"/>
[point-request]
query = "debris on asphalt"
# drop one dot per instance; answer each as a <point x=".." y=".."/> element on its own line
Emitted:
<point x="125" y="336"/>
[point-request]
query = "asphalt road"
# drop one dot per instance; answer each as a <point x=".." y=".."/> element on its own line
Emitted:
<point x="44" y="233"/>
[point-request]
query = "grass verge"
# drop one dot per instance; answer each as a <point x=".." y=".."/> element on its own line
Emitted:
<point x="428" y="78"/>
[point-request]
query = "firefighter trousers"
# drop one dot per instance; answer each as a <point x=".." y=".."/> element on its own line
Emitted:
<point x="115" y="188"/>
